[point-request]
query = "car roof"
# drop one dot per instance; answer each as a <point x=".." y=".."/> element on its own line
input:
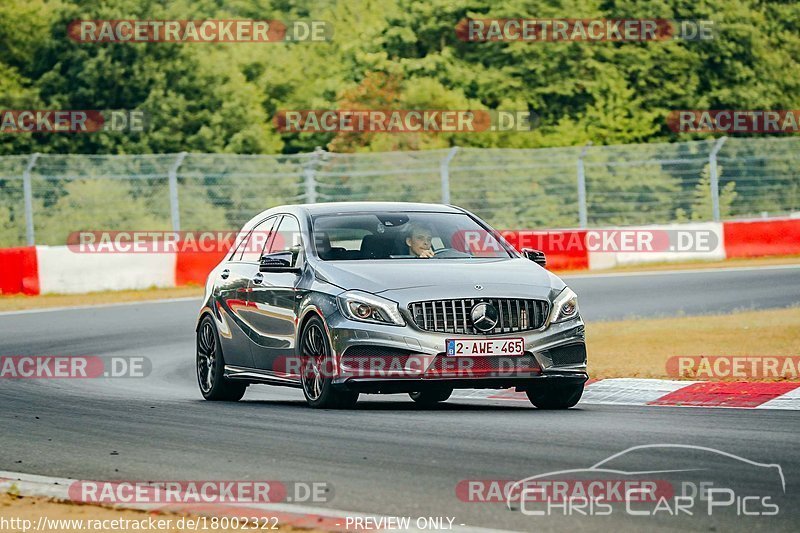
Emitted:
<point x="358" y="207"/>
<point x="335" y="208"/>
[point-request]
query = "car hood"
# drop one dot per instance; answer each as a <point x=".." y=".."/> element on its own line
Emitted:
<point x="439" y="274"/>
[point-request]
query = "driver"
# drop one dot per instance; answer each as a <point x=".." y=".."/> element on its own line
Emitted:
<point x="418" y="239"/>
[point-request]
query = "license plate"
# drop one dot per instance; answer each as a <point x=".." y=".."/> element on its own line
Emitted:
<point x="472" y="347"/>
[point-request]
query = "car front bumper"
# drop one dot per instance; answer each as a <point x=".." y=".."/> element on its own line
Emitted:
<point x="403" y="359"/>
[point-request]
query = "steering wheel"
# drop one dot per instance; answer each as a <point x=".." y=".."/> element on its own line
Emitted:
<point x="449" y="252"/>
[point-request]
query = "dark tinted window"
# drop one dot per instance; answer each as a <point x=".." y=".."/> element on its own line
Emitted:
<point x="393" y="235"/>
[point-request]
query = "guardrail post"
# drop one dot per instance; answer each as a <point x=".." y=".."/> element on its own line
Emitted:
<point x="27" y="192"/>
<point x="310" y="175"/>
<point x="444" y="174"/>
<point x="583" y="215"/>
<point x="173" y="192"/>
<point x="714" y="178"/>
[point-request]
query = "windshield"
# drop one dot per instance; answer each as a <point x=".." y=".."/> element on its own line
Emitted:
<point x="396" y="235"/>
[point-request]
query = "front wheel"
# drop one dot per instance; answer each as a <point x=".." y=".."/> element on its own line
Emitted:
<point x="555" y="397"/>
<point x="430" y="398"/>
<point x="316" y="373"/>
<point x="211" y="366"/>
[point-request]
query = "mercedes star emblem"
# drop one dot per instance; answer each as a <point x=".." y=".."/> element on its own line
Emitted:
<point x="484" y="316"/>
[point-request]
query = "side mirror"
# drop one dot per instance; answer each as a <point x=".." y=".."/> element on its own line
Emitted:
<point x="537" y="256"/>
<point x="279" y="262"/>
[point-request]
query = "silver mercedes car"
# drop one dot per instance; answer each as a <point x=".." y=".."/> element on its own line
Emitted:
<point x="343" y="299"/>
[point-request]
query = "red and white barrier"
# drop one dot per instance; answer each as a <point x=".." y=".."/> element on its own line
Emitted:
<point x="755" y="238"/>
<point x="60" y="269"/>
<point x="602" y="259"/>
<point x="19" y="272"/>
<point x="192" y="268"/>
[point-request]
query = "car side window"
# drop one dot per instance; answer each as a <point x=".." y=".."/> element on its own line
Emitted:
<point x="287" y="238"/>
<point x="257" y="240"/>
<point x="237" y="252"/>
<point x="240" y="242"/>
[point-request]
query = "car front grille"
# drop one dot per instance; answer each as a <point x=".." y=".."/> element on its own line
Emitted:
<point x="453" y="316"/>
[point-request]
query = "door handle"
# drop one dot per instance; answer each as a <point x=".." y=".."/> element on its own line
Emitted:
<point x="225" y="274"/>
<point x="258" y="278"/>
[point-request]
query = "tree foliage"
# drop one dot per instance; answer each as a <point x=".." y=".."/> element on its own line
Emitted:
<point x="223" y="98"/>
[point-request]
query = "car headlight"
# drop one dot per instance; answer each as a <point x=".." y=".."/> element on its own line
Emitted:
<point x="565" y="306"/>
<point x="365" y="307"/>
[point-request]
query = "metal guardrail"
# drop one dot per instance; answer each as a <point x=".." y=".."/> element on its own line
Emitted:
<point x="44" y="197"/>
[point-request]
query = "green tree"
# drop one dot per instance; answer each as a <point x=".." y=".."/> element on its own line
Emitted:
<point x="702" y="208"/>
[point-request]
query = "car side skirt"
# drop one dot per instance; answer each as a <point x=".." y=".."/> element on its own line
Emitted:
<point x="253" y="375"/>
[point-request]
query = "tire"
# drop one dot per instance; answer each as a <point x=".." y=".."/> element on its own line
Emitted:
<point x="316" y="374"/>
<point x="555" y="397"/>
<point x="430" y="398"/>
<point x="211" y="366"/>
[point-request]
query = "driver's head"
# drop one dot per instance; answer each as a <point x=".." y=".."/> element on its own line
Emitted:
<point x="418" y="238"/>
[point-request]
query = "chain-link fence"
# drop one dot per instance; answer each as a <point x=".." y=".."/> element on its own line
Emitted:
<point x="43" y="198"/>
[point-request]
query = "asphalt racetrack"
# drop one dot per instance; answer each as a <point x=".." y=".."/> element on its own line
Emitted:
<point x="388" y="457"/>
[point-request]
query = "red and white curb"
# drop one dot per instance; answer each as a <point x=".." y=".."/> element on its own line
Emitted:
<point x="296" y="516"/>
<point x="661" y="392"/>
